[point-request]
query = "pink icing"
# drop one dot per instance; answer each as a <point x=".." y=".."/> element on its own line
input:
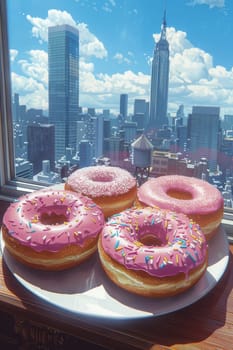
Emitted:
<point x="101" y="181"/>
<point x="24" y="219"/>
<point x="182" y="244"/>
<point x="205" y="197"/>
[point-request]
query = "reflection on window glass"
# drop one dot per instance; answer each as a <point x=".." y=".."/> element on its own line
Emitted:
<point x="142" y="85"/>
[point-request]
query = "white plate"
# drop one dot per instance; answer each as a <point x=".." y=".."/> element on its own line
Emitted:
<point x="86" y="289"/>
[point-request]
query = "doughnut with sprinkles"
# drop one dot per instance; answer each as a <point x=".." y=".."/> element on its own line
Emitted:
<point x="52" y="229"/>
<point x="153" y="252"/>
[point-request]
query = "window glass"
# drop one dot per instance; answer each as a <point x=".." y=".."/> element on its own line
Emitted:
<point x="89" y="78"/>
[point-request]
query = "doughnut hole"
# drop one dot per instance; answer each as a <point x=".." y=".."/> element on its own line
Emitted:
<point x="102" y="177"/>
<point x="50" y="217"/>
<point x="152" y="238"/>
<point x="179" y="194"/>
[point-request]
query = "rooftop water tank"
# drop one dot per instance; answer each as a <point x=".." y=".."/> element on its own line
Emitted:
<point x="142" y="152"/>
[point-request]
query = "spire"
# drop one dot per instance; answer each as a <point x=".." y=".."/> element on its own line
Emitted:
<point x="164" y="19"/>
<point x="164" y="27"/>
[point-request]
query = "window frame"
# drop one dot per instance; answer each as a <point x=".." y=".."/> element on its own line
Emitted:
<point x="10" y="187"/>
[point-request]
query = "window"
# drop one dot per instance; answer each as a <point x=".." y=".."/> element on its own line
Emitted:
<point x="80" y="83"/>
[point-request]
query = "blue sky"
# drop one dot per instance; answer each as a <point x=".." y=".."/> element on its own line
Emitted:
<point x="117" y="38"/>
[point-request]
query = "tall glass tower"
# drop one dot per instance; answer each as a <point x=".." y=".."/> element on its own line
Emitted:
<point x="124" y="105"/>
<point x="63" y="67"/>
<point x="159" y="81"/>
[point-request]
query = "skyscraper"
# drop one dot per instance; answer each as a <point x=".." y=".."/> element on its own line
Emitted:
<point x="159" y="81"/>
<point x="16" y="106"/>
<point x="139" y="106"/>
<point x="85" y="153"/>
<point x="63" y="67"/>
<point x="124" y="105"/>
<point x="141" y="112"/>
<point x="97" y="138"/>
<point x="40" y="145"/>
<point x="203" y="134"/>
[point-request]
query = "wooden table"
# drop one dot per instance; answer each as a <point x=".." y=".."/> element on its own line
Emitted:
<point x="26" y="322"/>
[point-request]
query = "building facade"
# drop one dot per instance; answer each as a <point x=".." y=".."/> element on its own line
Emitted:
<point x="40" y="145"/>
<point x="63" y="68"/>
<point x="203" y="134"/>
<point x="85" y="153"/>
<point x="97" y="135"/>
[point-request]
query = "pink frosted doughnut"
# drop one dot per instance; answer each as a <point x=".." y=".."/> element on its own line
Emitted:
<point x="52" y="229"/>
<point x="198" y="199"/>
<point x="112" y="188"/>
<point x="153" y="252"/>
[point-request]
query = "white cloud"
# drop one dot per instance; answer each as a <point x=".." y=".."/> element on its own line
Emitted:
<point x="102" y="91"/>
<point x="193" y="78"/>
<point x="121" y="59"/>
<point x="90" y="45"/>
<point x="55" y="17"/>
<point x="32" y="86"/>
<point x="106" y="8"/>
<point x="108" y="5"/>
<point x="112" y="2"/>
<point x="128" y="82"/>
<point x="178" y="41"/>
<point x="33" y="94"/>
<point x="222" y="76"/>
<point x="36" y="66"/>
<point x="210" y="3"/>
<point x="85" y="66"/>
<point x="190" y="66"/>
<point x="13" y="54"/>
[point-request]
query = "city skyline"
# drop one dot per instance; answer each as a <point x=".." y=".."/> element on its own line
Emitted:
<point x="200" y="74"/>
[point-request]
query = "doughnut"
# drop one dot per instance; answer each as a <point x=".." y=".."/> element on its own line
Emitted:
<point x="52" y="229"/>
<point x="153" y="252"/>
<point x="199" y="200"/>
<point x="112" y="188"/>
